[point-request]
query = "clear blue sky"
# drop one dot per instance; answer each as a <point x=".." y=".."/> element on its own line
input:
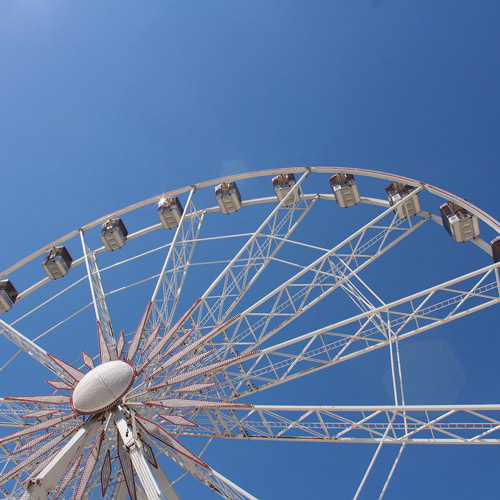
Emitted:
<point x="105" y="104"/>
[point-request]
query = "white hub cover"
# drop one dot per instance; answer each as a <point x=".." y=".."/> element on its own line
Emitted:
<point x="102" y="387"/>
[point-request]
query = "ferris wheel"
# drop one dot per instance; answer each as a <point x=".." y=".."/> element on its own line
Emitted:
<point x="211" y="305"/>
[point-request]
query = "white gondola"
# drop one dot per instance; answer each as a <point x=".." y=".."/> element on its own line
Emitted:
<point x="282" y="185"/>
<point x="460" y="224"/>
<point x="170" y="212"/>
<point x="8" y="295"/>
<point x="228" y="197"/>
<point x="114" y="234"/>
<point x="396" y="192"/>
<point x="345" y="189"/>
<point x="57" y="262"/>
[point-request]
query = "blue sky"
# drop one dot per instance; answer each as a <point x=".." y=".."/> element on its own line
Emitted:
<point x="105" y="104"/>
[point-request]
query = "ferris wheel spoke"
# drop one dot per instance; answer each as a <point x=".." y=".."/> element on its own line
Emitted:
<point x="429" y="424"/>
<point x="12" y="412"/>
<point x="309" y="286"/>
<point x="287" y="302"/>
<point x="176" y="265"/>
<point x="212" y="309"/>
<point x="99" y="298"/>
<point x="221" y="297"/>
<point x="165" y="484"/>
<point x="357" y="335"/>
<point x="231" y="285"/>
<point x="35" y="351"/>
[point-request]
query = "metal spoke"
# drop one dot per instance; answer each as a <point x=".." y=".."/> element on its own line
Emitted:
<point x="426" y="424"/>
<point x="176" y="265"/>
<point x="375" y="455"/>
<point x="231" y="285"/>
<point x="355" y="336"/>
<point x="11" y="412"/>
<point x="305" y="289"/>
<point x="99" y="298"/>
<point x="330" y="271"/>
<point x="35" y="351"/>
<point x="391" y="472"/>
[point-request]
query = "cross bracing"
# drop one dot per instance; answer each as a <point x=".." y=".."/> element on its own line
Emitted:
<point x="357" y="335"/>
<point x="418" y="424"/>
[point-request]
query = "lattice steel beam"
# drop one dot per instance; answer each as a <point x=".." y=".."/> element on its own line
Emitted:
<point x="176" y="265"/>
<point x="306" y="288"/>
<point x="357" y="335"/>
<point x="412" y="424"/>
<point x="227" y="290"/>
<point x="98" y="297"/>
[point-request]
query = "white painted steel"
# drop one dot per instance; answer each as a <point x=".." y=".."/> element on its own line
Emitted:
<point x="176" y="265"/>
<point x="165" y="484"/>
<point x="337" y="267"/>
<point x="47" y="480"/>
<point x="98" y="298"/>
<point x="486" y="218"/>
<point x="411" y="424"/>
<point x="146" y="477"/>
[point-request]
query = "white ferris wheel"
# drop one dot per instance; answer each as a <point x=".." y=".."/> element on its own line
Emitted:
<point x="228" y="315"/>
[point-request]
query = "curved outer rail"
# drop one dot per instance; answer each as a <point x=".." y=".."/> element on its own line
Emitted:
<point x="486" y="218"/>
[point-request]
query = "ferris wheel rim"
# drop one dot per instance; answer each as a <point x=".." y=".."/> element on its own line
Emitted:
<point x="441" y="193"/>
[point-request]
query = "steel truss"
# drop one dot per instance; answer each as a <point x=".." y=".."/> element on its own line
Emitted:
<point x="173" y="274"/>
<point x="334" y="269"/>
<point x="98" y="297"/>
<point x="229" y="288"/>
<point x="358" y="335"/>
<point x="417" y="424"/>
<point x="231" y="285"/>
<point x="32" y="349"/>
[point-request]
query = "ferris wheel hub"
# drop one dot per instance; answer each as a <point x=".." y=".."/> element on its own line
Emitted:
<point x="102" y="387"/>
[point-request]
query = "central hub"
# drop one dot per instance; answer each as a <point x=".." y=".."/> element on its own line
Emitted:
<point x="102" y="387"/>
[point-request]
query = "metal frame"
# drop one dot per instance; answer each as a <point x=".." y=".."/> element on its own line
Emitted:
<point x="410" y="424"/>
<point x="98" y="297"/>
<point x="218" y="348"/>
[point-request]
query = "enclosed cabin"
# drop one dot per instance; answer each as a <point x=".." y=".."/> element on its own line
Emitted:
<point x="282" y="185"/>
<point x="460" y="224"/>
<point x="114" y="234"/>
<point x="57" y="262"/>
<point x="170" y="212"/>
<point x="8" y="295"/>
<point x="495" y="249"/>
<point x="345" y="189"/>
<point x="228" y="197"/>
<point x="396" y="192"/>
